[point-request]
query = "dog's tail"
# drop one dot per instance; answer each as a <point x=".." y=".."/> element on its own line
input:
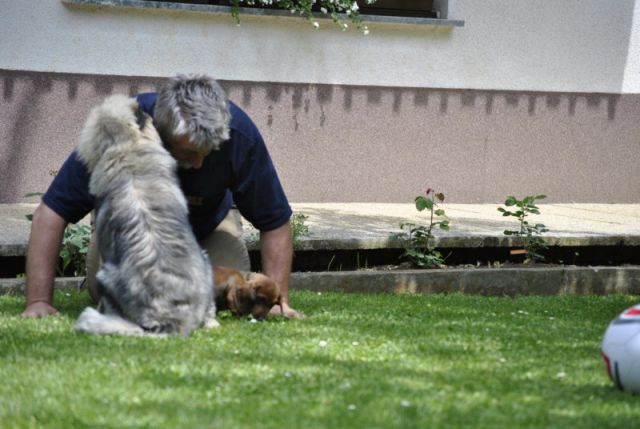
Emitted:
<point x="93" y="322"/>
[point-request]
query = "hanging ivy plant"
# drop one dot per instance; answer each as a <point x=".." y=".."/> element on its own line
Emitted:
<point x="310" y="9"/>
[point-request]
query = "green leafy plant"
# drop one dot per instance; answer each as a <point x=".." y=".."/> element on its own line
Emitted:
<point x="419" y="247"/>
<point x="298" y="227"/>
<point x="530" y="234"/>
<point x="75" y="245"/>
<point x="309" y="10"/>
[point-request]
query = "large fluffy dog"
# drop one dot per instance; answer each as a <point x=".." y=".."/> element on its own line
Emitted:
<point x="154" y="277"/>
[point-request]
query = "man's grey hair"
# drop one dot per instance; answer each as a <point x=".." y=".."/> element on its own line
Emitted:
<point x="195" y="105"/>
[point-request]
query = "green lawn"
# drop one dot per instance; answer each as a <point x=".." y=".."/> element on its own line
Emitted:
<point x="356" y="361"/>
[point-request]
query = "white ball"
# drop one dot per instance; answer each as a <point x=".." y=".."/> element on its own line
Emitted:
<point x="621" y="350"/>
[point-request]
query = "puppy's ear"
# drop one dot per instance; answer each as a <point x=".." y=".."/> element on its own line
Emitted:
<point x="243" y="299"/>
<point x="267" y="293"/>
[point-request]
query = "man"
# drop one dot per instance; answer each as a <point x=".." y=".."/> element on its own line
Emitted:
<point x="222" y="161"/>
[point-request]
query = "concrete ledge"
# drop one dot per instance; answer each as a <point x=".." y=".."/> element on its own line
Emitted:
<point x="483" y="281"/>
<point x="490" y="281"/>
<point x="17" y="286"/>
<point x="355" y="226"/>
<point x="14" y="228"/>
<point x="365" y="226"/>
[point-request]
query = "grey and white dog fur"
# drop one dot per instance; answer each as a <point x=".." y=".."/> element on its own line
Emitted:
<point x="155" y="279"/>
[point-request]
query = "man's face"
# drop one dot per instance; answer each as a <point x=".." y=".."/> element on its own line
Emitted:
<point x="187" y="154"/>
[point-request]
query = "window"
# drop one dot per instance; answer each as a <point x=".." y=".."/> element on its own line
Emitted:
<point x="392" y="8"/>
<point x="410" y="8"/>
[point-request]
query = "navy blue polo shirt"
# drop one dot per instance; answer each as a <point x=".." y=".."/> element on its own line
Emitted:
<point x="240" y="172"/>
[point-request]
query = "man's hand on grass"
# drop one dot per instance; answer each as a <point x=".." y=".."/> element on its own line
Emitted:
<point x="40" y="309"/>
<point x="285" y="311"/>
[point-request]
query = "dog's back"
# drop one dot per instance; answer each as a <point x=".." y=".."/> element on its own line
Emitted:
<point x="154" y="273"/>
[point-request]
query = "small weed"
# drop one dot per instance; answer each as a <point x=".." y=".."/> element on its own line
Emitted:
<point x="531" y="235"/>
<point x="331" y="262"/>
<point x="359" y="265"/>
<point x="419" y="247"/>
<point x="298" y="228"/>
<point x="75" y="243"/>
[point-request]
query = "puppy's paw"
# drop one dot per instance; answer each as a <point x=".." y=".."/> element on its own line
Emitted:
<point x="211" y="324"/>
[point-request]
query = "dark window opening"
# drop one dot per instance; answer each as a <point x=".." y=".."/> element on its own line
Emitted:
<point x="402" y="8"/>
<point x="410" y="8"/>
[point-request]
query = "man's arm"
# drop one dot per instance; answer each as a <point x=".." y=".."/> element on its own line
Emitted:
<point x="47" y="229"/>
<point x="277" y="252"/>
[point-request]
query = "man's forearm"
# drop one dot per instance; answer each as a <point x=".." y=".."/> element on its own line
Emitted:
<point x="42" y="256"/>
<point x="277" y="252"/>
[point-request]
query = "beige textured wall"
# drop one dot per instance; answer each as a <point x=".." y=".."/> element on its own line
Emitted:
<point x="334" y="143"/>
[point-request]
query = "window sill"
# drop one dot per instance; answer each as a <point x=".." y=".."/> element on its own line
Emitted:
<point x="139" y="4"/>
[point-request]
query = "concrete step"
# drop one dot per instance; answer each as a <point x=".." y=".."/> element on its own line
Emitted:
<point x="366" y="226"/>
<point x="372" y="225"/>
<point x="541" y="280"/>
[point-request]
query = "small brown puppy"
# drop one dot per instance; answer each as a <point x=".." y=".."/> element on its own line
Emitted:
<point x="245" y="293"/>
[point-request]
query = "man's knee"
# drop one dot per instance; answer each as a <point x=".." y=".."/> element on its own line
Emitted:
<point x="226" y="246"/>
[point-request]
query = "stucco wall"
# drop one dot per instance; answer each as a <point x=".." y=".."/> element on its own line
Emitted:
<point x="533" y="45"/>
<point x="341" y="143"/>
<point x="528" y="97"/>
